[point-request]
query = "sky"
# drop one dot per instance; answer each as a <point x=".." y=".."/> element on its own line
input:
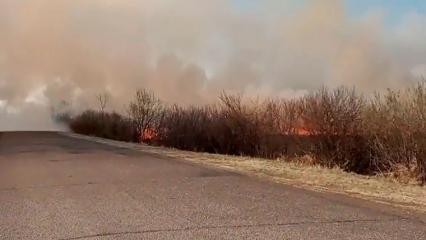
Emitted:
<point x="393" y="10"/>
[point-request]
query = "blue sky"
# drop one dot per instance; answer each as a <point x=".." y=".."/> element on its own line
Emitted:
<point x="393" y="10"/>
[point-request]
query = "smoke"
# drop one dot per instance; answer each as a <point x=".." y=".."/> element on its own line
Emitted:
<point x="53" y="51"/>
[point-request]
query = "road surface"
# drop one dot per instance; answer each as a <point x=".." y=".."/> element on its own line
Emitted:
<point x="57" y="187"/>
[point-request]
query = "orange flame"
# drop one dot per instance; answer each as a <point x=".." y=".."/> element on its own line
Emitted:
<point x="148" y="134"/>
<point x="301" y="131"/>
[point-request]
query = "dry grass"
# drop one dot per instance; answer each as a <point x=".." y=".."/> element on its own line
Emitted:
<point x="384" y="189"/>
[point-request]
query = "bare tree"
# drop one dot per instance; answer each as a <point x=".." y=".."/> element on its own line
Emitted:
<point x="102" y="101"/>
<point x="145" y="112"/>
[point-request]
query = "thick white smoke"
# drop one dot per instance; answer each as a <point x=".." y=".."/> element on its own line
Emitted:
<point x="188" y="51"/>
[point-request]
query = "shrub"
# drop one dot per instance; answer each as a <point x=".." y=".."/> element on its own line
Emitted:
<point x="145" y="112"/>
<point x="106" y="125"/>
<point x="396" y="130"/>
<point x="334" y="119"/>
<point x="382" y="134"/>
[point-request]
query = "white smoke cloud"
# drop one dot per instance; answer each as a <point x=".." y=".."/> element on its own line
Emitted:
<point x="187" y="52"/>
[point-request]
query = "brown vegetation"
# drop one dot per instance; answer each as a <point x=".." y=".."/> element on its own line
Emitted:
<point x="145" y="113"/>
<point x="337" y="128"/>
<point x="105" y="125"/>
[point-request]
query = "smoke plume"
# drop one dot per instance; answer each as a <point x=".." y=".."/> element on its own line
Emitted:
<point x="56" y="51"/>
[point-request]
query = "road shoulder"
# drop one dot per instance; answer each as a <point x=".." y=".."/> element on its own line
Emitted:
<point x="377" y="189"/>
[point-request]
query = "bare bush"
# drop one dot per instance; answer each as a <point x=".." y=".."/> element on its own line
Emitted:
<point x="418" y="120"/>
<point x="384" y="134"/>
<point x="283" y="116"/>
<point x="396" y="129"/>
<point x="280" y="127"/>
<point x="186" y="128"/>
<point x="387" y="133"/>
<point x="106" y="125"/>
<point x="145" y="111"/>
<point x="241" y="125"/>
<point x="334" y="118"/>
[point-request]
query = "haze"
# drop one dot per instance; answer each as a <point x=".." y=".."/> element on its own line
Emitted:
<point x="56" y="51"/>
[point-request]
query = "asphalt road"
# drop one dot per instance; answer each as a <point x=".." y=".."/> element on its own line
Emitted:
<point x="57" y="187"/>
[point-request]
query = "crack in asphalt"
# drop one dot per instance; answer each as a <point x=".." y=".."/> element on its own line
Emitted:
<point x="111" y="234"/>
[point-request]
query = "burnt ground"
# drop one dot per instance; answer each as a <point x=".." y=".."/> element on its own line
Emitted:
<point x="57" y="187"/>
